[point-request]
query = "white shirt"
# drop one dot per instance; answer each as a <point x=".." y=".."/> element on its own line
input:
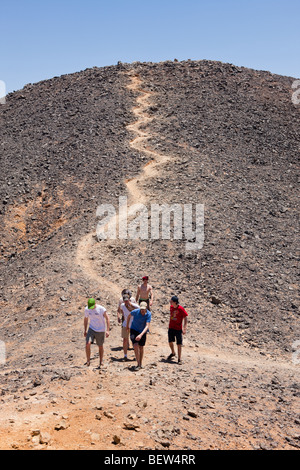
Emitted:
<point x="121" y="301"/>
<point x="96" y="316"/>
<point x="126" y="313"/>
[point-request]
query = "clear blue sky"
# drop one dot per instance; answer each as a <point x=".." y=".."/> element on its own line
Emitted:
<point x="41" y="39"/>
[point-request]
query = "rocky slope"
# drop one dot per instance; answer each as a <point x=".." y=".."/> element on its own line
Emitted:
<point x="174" y="133"/>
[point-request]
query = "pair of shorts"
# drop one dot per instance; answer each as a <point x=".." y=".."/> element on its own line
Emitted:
<point x="175" y="334"/>
<point x="98" y="336"/>
<point x="124" y="333"/>
<point x="134" y="334"/>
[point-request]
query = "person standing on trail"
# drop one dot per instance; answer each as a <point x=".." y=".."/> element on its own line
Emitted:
<point x="178" y="315"/>
<point x="126" y="307"/>
<point x="145" y="293"/>
<point x="96" y="317"/>
<point x="141" y="318"/>
<point x="121" y="301"/>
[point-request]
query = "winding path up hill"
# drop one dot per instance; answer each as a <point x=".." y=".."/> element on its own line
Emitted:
<point x="169" y="133"/>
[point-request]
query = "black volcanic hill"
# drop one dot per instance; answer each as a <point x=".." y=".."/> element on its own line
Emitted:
<point x="234" y="135"/>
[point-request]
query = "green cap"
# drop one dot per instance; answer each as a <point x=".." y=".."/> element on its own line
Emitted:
<point x="91" y="303"/>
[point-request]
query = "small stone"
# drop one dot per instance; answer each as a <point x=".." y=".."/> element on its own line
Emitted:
<point x="116" y="439"/>
<point x="95" y="436"/>
<point x="45" y="438"/>
<point x="165" y="443"/>
<point x="35" y="440"/>
<point x="132" y="426"/>
<point x="215" y="300"/>
<point x="61" y="426"/>
<point x="192" y="413"/>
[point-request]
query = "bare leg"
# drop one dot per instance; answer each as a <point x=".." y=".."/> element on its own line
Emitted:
<point x="136" y="352"/>
<point x="179" y="351"/>
<point x="101" y="353"/>
<point x="125" y="346"/>
<point x="88" y="353"/>
<point x="172" y="348"/>
<point x="141" y="355"/>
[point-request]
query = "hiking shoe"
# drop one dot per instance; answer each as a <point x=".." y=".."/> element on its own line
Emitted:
<point x="170" y="356"/>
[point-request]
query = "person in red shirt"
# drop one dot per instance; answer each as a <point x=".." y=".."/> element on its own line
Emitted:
<point x="178" y="315"/>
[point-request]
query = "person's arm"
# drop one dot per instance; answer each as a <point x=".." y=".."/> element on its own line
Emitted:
<point x="85" y="324"/>
<point x="137" y="294"/>
<point x="107" y="324"/>
<point x="133" y="305"/>
<point x="151" y="296"/>
<point x="143" y="332"/>
<point x="128" y="320"/>
<point x="185" y="320"/>
<point x="119" y="313"/>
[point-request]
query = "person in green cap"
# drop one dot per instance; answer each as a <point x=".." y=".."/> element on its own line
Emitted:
<point x="97" y="319"/>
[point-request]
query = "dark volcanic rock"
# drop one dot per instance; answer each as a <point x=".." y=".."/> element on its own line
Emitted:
<point x="234" y="137"/>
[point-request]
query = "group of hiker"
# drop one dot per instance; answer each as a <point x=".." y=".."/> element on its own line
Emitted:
<point x="134" y="315"/>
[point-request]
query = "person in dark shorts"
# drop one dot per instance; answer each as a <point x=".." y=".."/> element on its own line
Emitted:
<point x="96" y="326"/>
<point x="141" y="318"/>
<point x="177" y="327"/>
<point x="126" y="307"/>
<point x="145" y="293"/>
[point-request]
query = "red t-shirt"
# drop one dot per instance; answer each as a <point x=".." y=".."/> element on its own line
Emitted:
<point x="176" y="317"/>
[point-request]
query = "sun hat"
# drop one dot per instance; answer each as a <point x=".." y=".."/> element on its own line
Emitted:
<point x="145" y="277"/>
<point x="91" y="303"/>
<point x="143" y="305"/>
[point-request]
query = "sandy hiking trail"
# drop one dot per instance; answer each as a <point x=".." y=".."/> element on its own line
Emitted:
<point x="162" y="406"/>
